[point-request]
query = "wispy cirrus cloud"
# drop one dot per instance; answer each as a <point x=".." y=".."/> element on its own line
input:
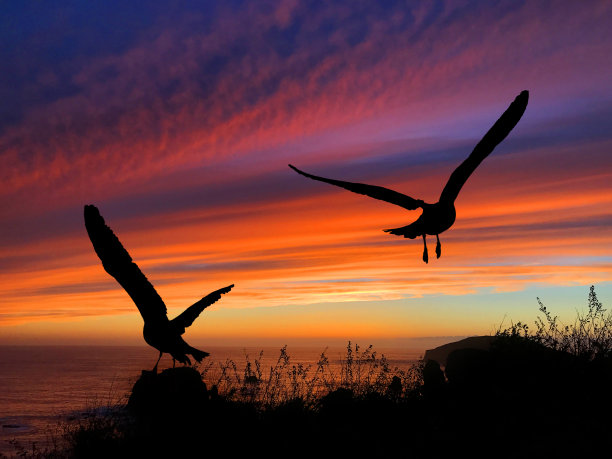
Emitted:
<point x="248" y="82"/>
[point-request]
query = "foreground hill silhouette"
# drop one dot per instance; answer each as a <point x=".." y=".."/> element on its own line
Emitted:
<point x="529" y="394"/>
<point x="519" y="398"/>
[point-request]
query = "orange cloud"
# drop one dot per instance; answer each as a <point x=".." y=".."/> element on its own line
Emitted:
<point x="184" y="147"/>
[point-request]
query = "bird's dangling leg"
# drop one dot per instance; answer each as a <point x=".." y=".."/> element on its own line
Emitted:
<point x="157" y="363"/>
<point x="438" y="247"/>
<point x="173" y="362"/>
<point x="425" y="255"/>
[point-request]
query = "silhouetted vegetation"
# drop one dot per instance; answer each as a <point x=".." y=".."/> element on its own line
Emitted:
<point x="361" y="370"/>
<point x="536" y="394"/>
<point x="589" y="337"/>
<point x="234" y="405"/>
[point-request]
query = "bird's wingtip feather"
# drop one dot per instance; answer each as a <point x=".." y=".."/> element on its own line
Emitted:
<point x="90" y="210"/>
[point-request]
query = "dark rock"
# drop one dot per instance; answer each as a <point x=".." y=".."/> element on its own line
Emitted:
<point x="173" y="392"/>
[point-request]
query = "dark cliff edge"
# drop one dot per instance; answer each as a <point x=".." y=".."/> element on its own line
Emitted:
<point x="440" y="353"/>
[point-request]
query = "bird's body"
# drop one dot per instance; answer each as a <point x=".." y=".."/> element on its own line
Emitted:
<point x="159" y="332"/>
<point x="435" y="219"/>
<point x="165" y="338"/>
<point x="440" y="216"/>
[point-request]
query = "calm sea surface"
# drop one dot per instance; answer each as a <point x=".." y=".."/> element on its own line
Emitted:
<point x="41" y="386"/>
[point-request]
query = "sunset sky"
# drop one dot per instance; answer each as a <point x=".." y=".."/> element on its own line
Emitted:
<point x="178" y="123"/>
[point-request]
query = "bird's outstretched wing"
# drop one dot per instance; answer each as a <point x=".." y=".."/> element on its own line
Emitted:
<point x="492" y="138"/>
<point x="186" y="318"/>
<point x="118" y="263"/>
<point x="373" y="191"/>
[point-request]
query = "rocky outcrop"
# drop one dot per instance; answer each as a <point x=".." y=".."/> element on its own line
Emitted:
<point x="175" y="391"/>
<point x="440" y="353"/>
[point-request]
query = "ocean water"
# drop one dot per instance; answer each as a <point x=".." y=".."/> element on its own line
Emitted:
<point x="42" y="386"/>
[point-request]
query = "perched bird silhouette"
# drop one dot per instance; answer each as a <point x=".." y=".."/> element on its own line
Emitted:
<point x="159" y="332"/>
<point x="440" y="216"/>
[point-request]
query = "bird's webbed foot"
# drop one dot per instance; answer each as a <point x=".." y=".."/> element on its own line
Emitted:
<point x="425" y="254"/>
<point x="438" y="247"/>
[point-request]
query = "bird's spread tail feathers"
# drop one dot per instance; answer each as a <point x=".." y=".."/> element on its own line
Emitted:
<point x="197" y="354"/>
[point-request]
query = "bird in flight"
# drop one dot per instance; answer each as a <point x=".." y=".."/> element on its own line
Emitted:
<point x="159" y="332"/>
<point x="440" y="216"/>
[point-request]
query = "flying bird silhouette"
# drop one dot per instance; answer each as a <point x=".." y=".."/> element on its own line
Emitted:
<point x="159" y="332"/>
<point x="440" y="216"/>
